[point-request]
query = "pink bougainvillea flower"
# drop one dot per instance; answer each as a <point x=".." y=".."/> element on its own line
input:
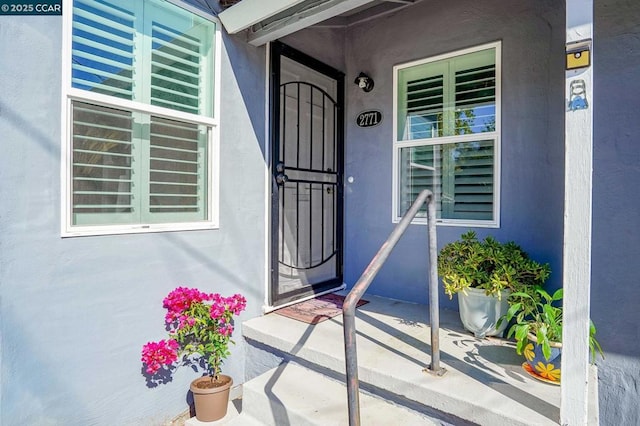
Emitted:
<point x="216" y="311"/>
<point x="236" y="303"/>
<point x="216" y="299"/>
<point x="155" y="355"/>
<point x="180" y="299"/>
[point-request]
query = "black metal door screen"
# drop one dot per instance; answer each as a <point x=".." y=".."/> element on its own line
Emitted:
<point x="307" y="172"/>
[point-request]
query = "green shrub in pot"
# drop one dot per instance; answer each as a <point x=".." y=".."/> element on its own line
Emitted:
<point x="488" y="265"/>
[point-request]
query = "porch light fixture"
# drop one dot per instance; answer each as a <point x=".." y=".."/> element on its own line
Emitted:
<point x="364" y="82"/>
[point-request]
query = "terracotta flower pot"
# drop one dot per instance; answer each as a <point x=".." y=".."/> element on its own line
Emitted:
<point x="211" y="397"/>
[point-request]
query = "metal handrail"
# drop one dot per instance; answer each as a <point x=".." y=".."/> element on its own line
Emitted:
<point x="351" y="301"/>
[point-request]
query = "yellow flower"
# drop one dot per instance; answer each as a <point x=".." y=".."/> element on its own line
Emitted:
<point x="548" y="371"/>
<point x="528" y="352"/>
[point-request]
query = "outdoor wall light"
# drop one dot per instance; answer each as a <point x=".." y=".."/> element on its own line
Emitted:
<point x="364" y="82"/>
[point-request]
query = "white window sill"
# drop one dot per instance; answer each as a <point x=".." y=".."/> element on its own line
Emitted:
<point x="451" y="222"/>
<point x="136" y="229"/>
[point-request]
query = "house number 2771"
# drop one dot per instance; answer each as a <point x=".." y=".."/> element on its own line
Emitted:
<point x="369" y="118"/>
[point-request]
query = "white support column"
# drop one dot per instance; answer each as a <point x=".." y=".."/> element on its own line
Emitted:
<point x="577" y="217"/>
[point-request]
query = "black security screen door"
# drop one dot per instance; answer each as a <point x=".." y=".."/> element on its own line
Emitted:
<point x="307" y="162"/>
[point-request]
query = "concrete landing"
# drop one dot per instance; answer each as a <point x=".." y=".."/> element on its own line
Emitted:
<point x="484" y="383"/>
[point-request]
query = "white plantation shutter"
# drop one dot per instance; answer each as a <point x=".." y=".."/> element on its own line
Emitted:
<point x="120" y="178"/>
<point x="476" y="86"/>
<point x="475" y="100"/>
<point x="472" y="186"/>
<point x="449" y="99"/>
<point x="131" y="166"/>
<point x="177" y="169"/>
<point x="473" y="174"/>
<point x="175" y="70"/>
<point x="149" y="52"/>
<point x="103" y="56"/>
<point x="425" y="103"/>
<point x="420" y="169"/>
<point x="102" y="164"/>
<point x="181" y="60"/>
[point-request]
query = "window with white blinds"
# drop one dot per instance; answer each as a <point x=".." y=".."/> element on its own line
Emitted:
<point x="141" y="117"/>
<point x="447" y="136"/>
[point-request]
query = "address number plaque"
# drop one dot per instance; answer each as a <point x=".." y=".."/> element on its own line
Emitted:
<point x="369" y="118"/>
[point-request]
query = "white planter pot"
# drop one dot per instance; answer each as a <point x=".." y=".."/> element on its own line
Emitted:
<point x="480" y="313"/>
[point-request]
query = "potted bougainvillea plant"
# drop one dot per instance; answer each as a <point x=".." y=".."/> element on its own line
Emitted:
<point x="200" y="326"/>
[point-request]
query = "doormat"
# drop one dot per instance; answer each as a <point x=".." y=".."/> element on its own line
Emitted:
<point x="314" y="311"/>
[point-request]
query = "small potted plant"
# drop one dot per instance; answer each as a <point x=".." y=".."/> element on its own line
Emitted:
<point x="483" y="274"/>
<point x="538" y="331"/>
<point x="200" y="326"/>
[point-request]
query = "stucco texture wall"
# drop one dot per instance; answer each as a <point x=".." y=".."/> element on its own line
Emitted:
<point x="615" y="295"/>
<point x="324" y="44"/>
<point x="532" y="35"/>
<point x="74" y="312"/>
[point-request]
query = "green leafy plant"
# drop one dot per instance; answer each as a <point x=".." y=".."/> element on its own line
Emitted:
<point x="488" y="265"/>
<point x="538" y="317"/>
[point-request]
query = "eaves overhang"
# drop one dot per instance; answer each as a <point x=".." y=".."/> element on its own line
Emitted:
<point x="269" y="20"/>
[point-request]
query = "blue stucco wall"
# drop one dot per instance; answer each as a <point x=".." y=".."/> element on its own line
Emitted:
<point x="314" y="41"/>
<point x="532" y="35"/>
<point x="615" y="294"/>
<point x="74" y="312"/>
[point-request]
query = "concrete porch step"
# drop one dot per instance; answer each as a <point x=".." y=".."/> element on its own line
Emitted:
<point x="484" y="384"/>
<point x="293" y="395"/>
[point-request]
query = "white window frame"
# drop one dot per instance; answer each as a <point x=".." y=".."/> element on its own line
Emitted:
<point x="496" y="136"/>
<point x="70" y="94"/>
